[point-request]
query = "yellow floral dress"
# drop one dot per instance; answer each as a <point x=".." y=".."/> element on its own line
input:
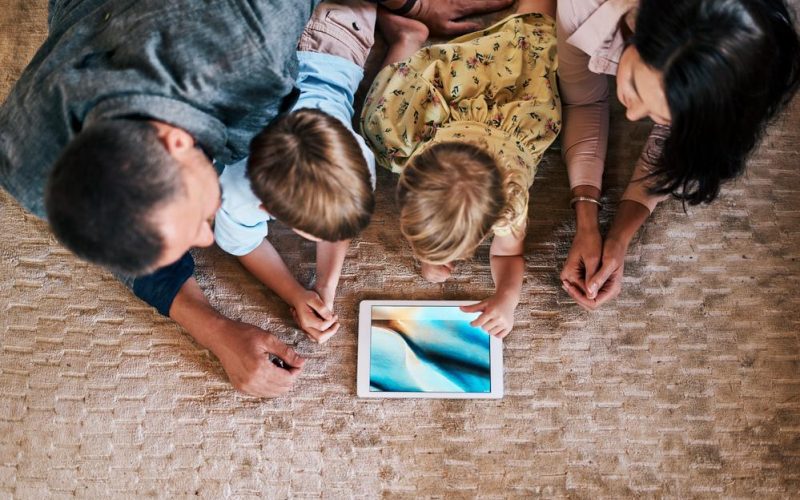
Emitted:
<point x="495" y="88"/>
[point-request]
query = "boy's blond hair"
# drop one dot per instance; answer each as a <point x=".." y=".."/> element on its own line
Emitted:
<point x="450" y="194"/>
<point x="309" y="172"/>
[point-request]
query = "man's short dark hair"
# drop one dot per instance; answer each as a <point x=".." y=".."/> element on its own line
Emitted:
<point x="103" y="190"/>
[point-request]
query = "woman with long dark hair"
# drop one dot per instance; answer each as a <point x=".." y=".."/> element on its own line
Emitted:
<point x="710" y="74"/>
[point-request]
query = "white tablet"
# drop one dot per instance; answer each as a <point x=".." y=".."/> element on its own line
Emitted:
<point x="425" y="349"/>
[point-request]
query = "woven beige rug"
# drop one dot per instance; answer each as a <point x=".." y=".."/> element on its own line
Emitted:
<point x="688" y="385"/>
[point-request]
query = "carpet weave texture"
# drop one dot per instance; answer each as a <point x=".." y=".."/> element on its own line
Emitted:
<point x="687" y="385"/>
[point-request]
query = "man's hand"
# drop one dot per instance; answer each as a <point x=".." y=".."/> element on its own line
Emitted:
<point x="497" y="315"/>
<point x="244" y="352"/>
<point x="314" y="317"/>
<point x="444" y="17"/>
<point x="242" y="349"/>
<point x="581" y="264"/>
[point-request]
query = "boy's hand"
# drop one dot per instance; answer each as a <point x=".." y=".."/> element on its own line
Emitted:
<point x="314" y="317"/>
<point x="327" y="294"/>
<point x="497" y="315"/>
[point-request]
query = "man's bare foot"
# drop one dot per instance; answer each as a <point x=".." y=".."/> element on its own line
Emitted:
<point x="436" y="273"/>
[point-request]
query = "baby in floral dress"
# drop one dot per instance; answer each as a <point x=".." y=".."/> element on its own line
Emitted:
<point x="465" y="124"/>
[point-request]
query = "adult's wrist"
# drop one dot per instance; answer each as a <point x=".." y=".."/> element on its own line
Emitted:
<point x="192" y="311"/>
<point x="410" y="8"/>
<point x="629" y="218"/>
<point x="586" y="212"/>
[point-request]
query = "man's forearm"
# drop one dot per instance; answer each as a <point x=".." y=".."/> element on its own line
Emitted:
<point x="194" y="313"/>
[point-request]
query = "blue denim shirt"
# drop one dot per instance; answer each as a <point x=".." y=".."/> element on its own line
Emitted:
<point x="219" y="69"/>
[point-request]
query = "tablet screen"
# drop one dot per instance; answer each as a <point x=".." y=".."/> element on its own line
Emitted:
<point x="427" y="349"/>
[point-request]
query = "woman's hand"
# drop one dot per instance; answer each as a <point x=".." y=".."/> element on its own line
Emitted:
<point x="582" y="263"/>
<point x="606" y="283"/>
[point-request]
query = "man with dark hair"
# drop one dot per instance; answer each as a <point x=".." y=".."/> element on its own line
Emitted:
<point x="145" y="95"/>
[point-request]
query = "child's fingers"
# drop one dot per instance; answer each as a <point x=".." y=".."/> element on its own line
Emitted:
<point x="492" y="324"/>
<point x="504" y="333"/>
<point x="495" y="330"/>
<point x="480" y="306"/>
<point x="481" y="320"/>
<point x="325" y="336"/>
<point x="320" y="308"/>
<point x="333" y="328"/>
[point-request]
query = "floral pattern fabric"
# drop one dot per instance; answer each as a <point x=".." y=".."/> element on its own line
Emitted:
<point x="495" y="88"/>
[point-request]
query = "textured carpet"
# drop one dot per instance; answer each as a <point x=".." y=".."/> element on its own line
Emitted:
<point x="688" y="385"/>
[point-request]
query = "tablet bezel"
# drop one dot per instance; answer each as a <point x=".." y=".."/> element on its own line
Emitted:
<point x="364" y="340"/>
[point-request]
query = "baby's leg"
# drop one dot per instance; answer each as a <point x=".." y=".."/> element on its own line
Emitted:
<point x="345" y="29"/>
<point x="542" y="6"/>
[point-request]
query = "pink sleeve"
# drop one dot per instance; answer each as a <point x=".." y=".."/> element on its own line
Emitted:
<point x="584" y="99"/>
<point x="637" y="188"/>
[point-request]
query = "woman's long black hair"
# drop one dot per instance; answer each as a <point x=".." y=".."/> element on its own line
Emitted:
<point x="728" y="66"/>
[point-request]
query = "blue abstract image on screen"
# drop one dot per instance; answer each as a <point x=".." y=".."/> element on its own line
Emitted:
<point x="427" y="349"/>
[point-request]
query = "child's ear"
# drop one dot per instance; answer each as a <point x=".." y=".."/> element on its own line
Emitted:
<point x="261" y="207"/>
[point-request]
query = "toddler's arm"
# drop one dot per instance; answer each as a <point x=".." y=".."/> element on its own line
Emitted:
<point x="309" y="309"/>
<point x="508" y="267"/>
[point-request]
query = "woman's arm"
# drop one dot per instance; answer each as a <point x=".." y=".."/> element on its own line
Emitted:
<point x="636" y="206"/>
<point x="584" y="139"/>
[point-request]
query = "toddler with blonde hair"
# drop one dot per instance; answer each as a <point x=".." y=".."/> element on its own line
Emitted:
<point x="465" y="124"/>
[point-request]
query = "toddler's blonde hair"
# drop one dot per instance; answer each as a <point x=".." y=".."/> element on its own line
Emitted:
<point x="450" y="195"/>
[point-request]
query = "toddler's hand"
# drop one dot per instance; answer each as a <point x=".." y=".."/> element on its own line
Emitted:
<point x="497" y="315"/>
<point x="314" y="317"/>
<point x="436" y="273"/>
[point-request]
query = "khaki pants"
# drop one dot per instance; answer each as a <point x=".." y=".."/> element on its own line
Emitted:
<point x="345" y="29"/>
